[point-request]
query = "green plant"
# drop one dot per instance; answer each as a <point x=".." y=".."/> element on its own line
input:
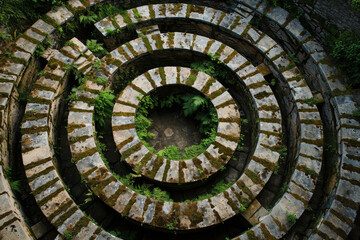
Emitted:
<point x="97" y="64"/>
<point x="356" y="113"/>
<point x="215" y="68"/>
<point x="345" y="50"/>
<point x="170" y="226"/>
<point x="245" y="121"/>
<point x="194" y="106"/>
<point x="103" y="106"/>
<point x="112" y="32"/>
<point x="72" y="96"/>
<point x="5" y="37"/>
<point x="311" y="101"/>
<point x="101" y="80"/>
<point x="89" y="18"/>
<point x="68" y="235"/>
<point x="242" y="208"/>
<point x="95" y="47"/>
<point x="356" y="4"/>
<point x="170" y="152"/>
<point x="284" y="187"/>
<point x="276" y="169"/>
<point x="41" y="73"/>
<point x="291" y="218"/>
<point x="282" y="150"/>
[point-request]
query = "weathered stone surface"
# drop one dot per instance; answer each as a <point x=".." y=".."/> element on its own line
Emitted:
<point x="221" y="206"/>
<point x="26" y="45"/>
<point x="61" y="15"/>
<point x="143" y="83"/>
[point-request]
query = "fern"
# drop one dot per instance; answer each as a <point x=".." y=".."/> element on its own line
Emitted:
<point x="192" y="103"/>
<point x="88" y="19"/>
<point x="103" y="106"/>
<point x="95" y="47"/>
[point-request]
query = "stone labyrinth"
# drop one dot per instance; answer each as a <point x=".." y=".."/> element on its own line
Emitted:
<point x="285" y="162"/>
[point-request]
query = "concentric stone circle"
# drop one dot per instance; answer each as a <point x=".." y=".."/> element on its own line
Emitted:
<point x="309" y="160"/>
<point x="168" y="170"/>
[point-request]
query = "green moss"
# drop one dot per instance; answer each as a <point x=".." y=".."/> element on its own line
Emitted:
<point x="156" y="166"/>
<point x="162" y="10"/>
<point x="254" y="177"/>
<point x="44" y="172"/>
<point x="341" y="233"/>
<point x="317" y="142"/>
<point x="194" y="9"/>
<point x="251" y="235"/>
<point x="171" y="39"/>
<point x="49" y="20"/>
<point x="37" y="163"/>
<point x="271" y="120"/>
<point x="34" y="129"/>
<point x="266" y="232"/>
<point x="77" y="157"/>
<point x="271" y="133"/>
<point x="217" y="93"/>
<point x="257" y="85"/>
<point x="123" y="143"/>
<point x="307" y="171"/>
<point x="131" y="49"/>
<point x="225" y="104"/>
<point x="123" y="53"/>
<point x="193" y="213"/>
<point x="245" y="189"/>
<point x="177" y="8"/>
<point x="148" y="77"/>
<point x="65" y="216"/>
<point x="158" y="41"/>
<point x="167" y="167"/>
<point x="262" y="95"/>
<point x="127" y="104"/>
<point x="267" y="164"/>
<point x="178" y="73"/>
<point x="192" y="78"/>
<point x="152" y="12"/>
<point x="147" y="43"/>
<point x="288" y="67"/>
<point x="127" y="209"/>
<point x="62" y="208"/>
<point x="182" y="165"/>
<point x="230" y="202"/>
<point x="162" y="75"/>
<point x="158" y="219"/>
<point x="228" y="137"/>
<point x="131" y="150"/>
<point x="111" y="201"/>
<point x="137" y="89"/>
<point x="49" y="197"/>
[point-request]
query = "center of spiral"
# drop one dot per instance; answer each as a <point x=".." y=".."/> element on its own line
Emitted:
<point x="176" y="122"/>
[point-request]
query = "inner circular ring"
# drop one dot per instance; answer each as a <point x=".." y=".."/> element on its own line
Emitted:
<point x="152" y="166"/>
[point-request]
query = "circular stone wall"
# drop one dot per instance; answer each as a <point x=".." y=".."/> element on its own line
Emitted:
<point x="167" y="170"/>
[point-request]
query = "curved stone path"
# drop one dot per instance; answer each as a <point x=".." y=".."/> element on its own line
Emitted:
<point x="38" y="124"/>
<point x="138" y="156"/>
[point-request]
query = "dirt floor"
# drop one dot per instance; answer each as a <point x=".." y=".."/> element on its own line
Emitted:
<point x="172" y="128"/>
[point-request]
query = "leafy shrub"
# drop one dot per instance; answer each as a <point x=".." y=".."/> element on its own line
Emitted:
<point x="346" y="52"/>
<point x="103" y="106"/>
